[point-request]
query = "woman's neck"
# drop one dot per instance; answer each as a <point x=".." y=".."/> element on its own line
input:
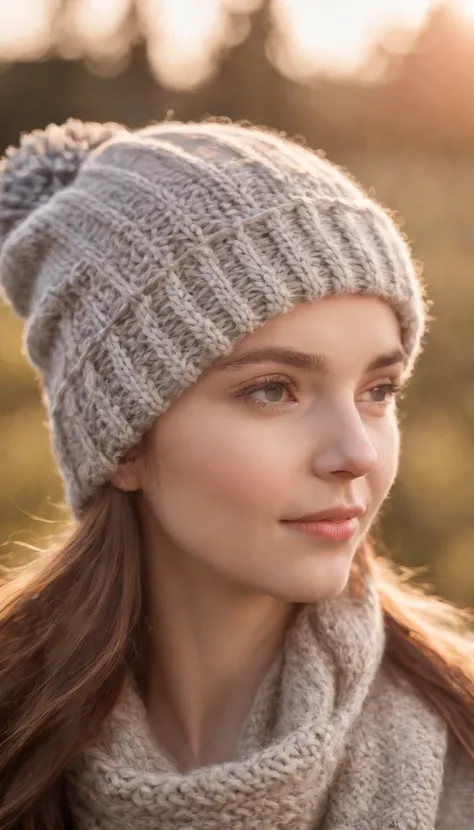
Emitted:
<point x="210" y="646"/>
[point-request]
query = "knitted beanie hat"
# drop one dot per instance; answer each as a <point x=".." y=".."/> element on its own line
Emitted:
<point x="139" y="257"/>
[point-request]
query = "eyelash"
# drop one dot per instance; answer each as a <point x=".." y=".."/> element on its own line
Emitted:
<point x="392" y="387"/>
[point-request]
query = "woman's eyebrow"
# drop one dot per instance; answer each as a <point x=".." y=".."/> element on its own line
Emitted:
<point x="301" y="360"/>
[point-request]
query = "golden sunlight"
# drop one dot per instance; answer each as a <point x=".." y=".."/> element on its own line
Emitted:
<point x="336" y="34"/>
<point x="466" y="7"/>
<point x="329" y="34"/>
<point x="192" y="28"/>
<point x="98" y="18"/>
<point x="24" y="28"/>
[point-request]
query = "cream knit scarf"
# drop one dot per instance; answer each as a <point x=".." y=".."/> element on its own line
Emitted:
<point x="333" y="741"/>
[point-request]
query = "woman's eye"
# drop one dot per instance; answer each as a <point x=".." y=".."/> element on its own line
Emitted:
<point x="269" y="393"/>
<point x="384" y="392"/>
<point x="274" y="392"/>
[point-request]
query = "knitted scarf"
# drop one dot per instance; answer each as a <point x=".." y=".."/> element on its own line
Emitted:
<point x="334" y="741"/>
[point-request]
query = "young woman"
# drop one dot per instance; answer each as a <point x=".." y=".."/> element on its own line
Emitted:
<point x="222" y="321"/>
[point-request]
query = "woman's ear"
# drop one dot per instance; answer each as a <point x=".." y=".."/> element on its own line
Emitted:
<point x="128" y="475"/>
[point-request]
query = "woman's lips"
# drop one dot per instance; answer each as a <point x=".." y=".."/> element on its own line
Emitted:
<point x="334" y="530"/>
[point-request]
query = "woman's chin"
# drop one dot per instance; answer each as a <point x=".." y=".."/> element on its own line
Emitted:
<point x="323" y="582"/>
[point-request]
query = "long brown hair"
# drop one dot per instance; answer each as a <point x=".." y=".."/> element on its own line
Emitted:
<point x="71" y="626"/>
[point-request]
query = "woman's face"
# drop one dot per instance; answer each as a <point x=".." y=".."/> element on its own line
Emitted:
<point x="261" y="439"/>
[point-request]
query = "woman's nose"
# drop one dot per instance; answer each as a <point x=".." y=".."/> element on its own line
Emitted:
<point x="343" y="448"/>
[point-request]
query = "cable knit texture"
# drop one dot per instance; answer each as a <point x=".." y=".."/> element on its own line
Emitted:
<point x="138" y="258"/>
<point x="335" y="740"/>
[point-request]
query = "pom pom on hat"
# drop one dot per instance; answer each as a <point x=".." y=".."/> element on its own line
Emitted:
<point x="46" y="161"/>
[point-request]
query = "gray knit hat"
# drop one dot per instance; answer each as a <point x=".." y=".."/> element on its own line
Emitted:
<point x="140" y="257"/>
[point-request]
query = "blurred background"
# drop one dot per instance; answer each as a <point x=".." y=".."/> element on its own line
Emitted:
<point x="385" y="88"/>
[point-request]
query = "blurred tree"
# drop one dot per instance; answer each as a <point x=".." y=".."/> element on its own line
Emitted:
<point x="247" y="84"/>
<point x="426" y="83"/>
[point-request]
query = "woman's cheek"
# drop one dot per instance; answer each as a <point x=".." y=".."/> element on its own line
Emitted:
<point x="230" y="464"/>
<point x="387" y="445"/>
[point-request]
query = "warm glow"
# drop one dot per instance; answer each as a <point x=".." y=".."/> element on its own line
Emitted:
<point x="466" y="6"/>
<point x="98" y="19"/>
<point x="192" y="28"/>
<point x="336" y="34"/>
<point x="23" y="27"/>
<point x="331" y="34"/>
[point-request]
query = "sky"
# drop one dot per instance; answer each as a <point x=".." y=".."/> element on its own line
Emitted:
<point x="332" y="34"/>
